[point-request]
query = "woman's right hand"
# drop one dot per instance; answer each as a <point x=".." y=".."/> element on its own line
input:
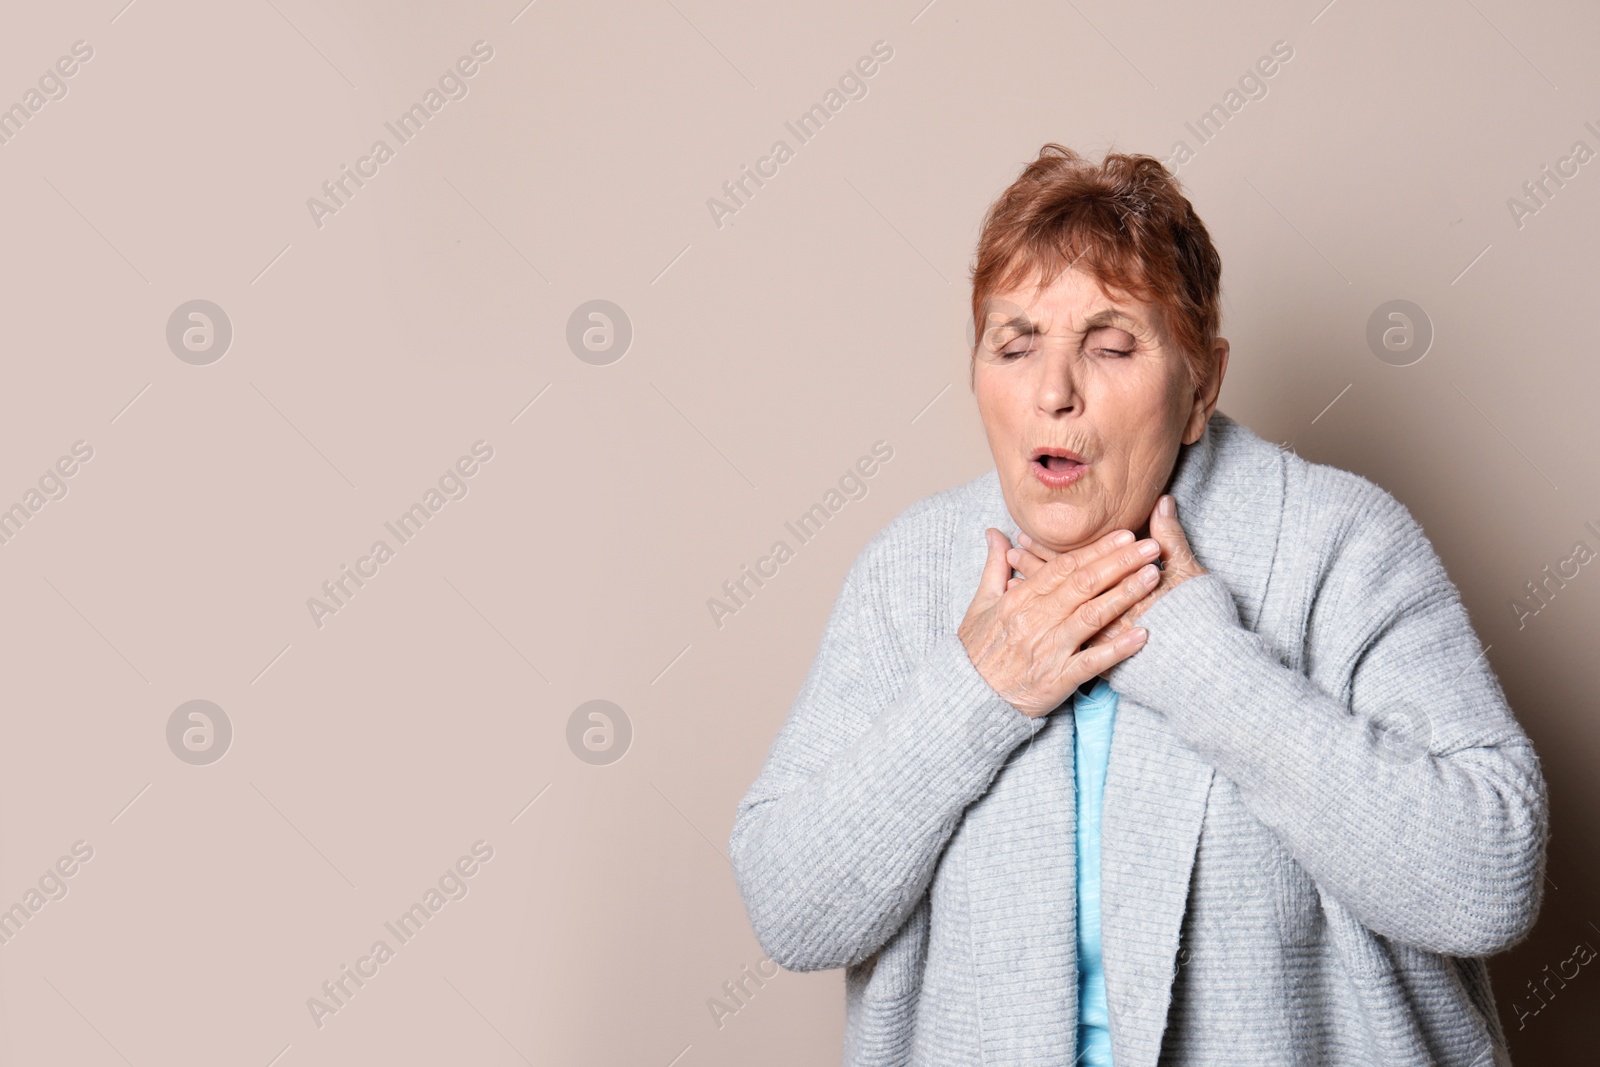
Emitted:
<point x="1028" y="641"/>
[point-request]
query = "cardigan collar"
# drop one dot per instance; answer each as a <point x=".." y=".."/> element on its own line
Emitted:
<point x="1229" y="487"/>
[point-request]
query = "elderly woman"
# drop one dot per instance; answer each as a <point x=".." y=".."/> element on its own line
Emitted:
<point x="1156" y="743"/>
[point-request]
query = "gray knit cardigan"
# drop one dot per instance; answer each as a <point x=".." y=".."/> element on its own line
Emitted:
<point x="1319" y="813"/>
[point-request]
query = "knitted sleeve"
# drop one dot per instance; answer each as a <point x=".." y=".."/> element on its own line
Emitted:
<point x="1397" y="777"/>
<point x="837" y="839"/>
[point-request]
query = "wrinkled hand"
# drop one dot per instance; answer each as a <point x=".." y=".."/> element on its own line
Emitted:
<point x="1178" y="565"/>
<point x="1029" y="639"/>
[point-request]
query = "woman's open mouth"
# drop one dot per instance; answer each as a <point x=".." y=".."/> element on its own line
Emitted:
<point x="1057" y="468"/>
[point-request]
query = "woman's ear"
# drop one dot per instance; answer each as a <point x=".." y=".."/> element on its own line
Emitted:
<point x="1205" y="396"/>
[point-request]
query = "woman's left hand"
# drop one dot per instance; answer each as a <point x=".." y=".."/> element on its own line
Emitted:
<point x="1178" y="564"/>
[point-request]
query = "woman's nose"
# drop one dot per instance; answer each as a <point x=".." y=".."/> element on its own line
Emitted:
<point x="1057" y="387"/>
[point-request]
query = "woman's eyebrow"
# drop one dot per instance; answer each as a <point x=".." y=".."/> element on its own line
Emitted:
<point x="1021" y="324"/>
<point x="1017" y="323"/>
<point x="1111" y="317"/>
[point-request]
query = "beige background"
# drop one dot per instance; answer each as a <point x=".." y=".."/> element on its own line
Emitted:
<point x="369" y="353"/>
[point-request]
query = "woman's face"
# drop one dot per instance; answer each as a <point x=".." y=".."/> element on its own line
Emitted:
<point x="1071" y="373"/>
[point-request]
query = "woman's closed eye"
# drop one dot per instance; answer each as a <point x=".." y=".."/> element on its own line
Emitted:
<point x="1109" y="353"/>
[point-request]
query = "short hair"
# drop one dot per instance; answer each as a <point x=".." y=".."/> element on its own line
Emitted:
<point x="1135" y="232"/>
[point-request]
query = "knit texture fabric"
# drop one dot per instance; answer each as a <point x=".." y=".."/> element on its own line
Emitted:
<point x="1319" y="814"/>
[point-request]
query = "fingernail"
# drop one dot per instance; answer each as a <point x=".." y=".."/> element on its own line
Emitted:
<point x="1122" y="537"/>
<point x="1149" y="574"/>
<point x="1149" y="550"/>
<point x="1137" y="635"/>
<point x="1023" y="539"/>
<point x="1167" y="506"/>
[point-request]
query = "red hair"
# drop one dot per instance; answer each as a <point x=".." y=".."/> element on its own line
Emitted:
<point x="1134" y="231"/>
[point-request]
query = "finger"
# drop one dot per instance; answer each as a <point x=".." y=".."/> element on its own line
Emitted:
<point x="996" y="571"/>
<point x="1127" y="620"/>
<point x="1093" y="578"/>
<point x="1097" y="659"/>
<point x="1105" y="610"/>
<point x="1166" y="529"/>
<point x="1030" y="555"/>
<point x="1046" y="554"/>
<point x="1113" y="630"/>
<point x="1028" y="559"/>
<point x="1025" y="561"/>
<point x="1067" y="563"/>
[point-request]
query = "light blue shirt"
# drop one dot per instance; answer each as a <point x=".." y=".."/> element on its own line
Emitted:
<point x="1092" y="719"/>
